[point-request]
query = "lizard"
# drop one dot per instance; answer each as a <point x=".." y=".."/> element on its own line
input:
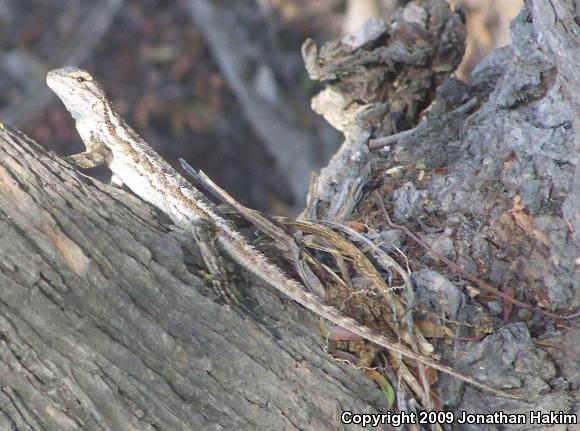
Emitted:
<point x="108" y="139"/>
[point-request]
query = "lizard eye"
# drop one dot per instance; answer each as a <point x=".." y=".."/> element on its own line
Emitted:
<point x="80" y="79"/>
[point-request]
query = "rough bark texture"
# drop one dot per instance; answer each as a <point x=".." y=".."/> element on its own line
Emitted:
<point x="103" y="327"/>
<point x="502" y="182"/>
<point x="102" y="324"/>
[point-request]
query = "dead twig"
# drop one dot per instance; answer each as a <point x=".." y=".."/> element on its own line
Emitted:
<point x="266" y="226"/>
<point x="392" y="139"/>
<point x="342" y="249"/>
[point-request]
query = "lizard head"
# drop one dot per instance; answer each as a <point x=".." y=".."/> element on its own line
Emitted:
<point x="77" y="89"/>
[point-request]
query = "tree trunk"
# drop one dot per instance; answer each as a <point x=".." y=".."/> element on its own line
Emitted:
<point x="103" y="326"/>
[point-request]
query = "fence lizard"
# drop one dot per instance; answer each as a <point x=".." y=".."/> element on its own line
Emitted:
<point x="108" y="139"/>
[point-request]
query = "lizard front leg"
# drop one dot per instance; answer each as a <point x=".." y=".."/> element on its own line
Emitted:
<point x="96" y="154"/>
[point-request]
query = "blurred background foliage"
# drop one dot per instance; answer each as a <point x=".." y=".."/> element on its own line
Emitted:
<point x="167" y="81"/>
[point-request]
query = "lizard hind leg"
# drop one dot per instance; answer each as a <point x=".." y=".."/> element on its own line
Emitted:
<point x="205" y="237"/>
<point x="220" y="287"/>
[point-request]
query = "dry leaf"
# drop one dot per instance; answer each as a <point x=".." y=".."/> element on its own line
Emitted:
<point x="431" y="329"/>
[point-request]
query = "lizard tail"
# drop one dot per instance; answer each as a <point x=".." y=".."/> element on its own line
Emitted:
<point x="255" y="262"/>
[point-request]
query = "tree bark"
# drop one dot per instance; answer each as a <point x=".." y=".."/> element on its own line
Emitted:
<point x="103" y="325"/>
